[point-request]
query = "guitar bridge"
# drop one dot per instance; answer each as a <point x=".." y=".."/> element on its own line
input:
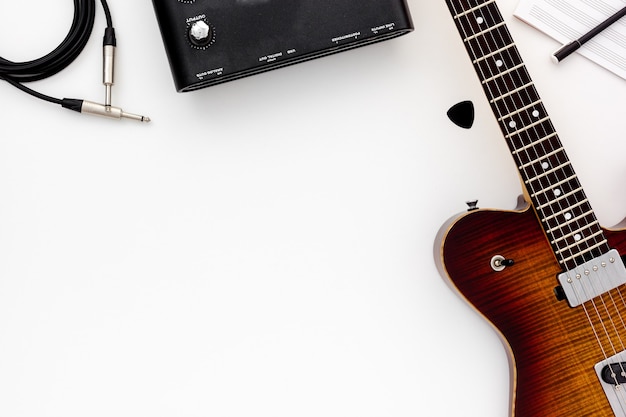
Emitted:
<point x="612" y="375"/>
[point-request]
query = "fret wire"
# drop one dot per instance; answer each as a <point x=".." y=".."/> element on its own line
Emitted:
<point x="503" y="73"/>
<point x="484" y="32"/>
<point x="523" y="97"/>
<point x="574" y="219"/>
<point x="485" y="24"/>
<point x="494" y="99"/>
<point x="518" y="76"/>
<point x="554" y="152"/>
<point x="541" y="207"/>
<point x="482" y="58"/>
<point x="486" y="41"/>
<point x="543" y="139"/>
<point x="518" y="111"/>
<point x="574" y="232"/>
<point x="589" y="225"/>
<point x="581" y="253"/>
<point x="573" y="245"/>
<point x="546" y="173"/>
<point x="547" y="196"/>
<point x="569" y="208"/>
<point x="562" y="206"/>
<point x="513" y="74"/>
<point x="525" y="128"/>
<point x="465" y="13"/>
<point x="552" y="185"/>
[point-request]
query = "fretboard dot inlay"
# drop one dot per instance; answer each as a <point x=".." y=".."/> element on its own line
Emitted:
<point x="550" y="183"/>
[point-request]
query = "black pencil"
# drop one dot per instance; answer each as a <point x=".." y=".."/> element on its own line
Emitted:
<point x="566" y="50"/>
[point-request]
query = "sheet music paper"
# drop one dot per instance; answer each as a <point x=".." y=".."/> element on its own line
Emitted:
<point x="567" y="20"/>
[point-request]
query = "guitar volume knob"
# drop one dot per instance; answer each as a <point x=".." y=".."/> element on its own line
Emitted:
<point x="200" y="33"/>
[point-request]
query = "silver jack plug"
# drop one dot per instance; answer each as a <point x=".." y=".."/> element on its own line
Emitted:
<point x="108" y="65"/>
<point x="106" y="109"/>
<point x="89" y="107"/>
<point x="97" y="109"/>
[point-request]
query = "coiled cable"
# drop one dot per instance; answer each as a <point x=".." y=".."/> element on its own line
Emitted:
<point x="18" y="73"/>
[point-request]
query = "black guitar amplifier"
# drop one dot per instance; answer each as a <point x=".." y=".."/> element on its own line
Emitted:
<point x="213" y="41"/>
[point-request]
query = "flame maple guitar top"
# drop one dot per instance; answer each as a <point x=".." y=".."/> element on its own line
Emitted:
<point x="552" y="346"/>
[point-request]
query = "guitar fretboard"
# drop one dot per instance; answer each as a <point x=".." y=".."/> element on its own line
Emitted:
<point x="554" y="188"/>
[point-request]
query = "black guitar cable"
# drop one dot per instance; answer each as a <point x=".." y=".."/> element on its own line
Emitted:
<point x="18" y="73"/>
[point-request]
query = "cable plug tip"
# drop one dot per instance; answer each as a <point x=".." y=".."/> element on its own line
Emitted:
<point x="89" y="107"/>
<point x="139" y="118"/>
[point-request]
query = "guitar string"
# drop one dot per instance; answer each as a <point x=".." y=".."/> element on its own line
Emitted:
<point x="509" y="132"/>
<point x="611" y="321"/>
<point x="561" y="210"/>
<point x="613" y="303"/>
<point x="538" y="133"/>
<point x="619" y="393"/>
<point x="542" y="134"/>
<point x="617" y="390"/>
<point x="622" y="356"/>
<point x="600" y="307"/>
<point x="502" y="117"/>
<point x="607" y="332"/>
<point x="622" y="362"/>
<point x="621" y="298"/>
<point x="572" y="228"/>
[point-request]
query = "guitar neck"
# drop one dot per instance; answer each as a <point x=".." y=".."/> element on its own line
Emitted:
<point x="547" y="174"/>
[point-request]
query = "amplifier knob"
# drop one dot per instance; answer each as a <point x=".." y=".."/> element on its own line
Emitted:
<point x="200" y="33"/>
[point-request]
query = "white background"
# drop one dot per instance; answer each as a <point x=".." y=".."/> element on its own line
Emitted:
<point x="263" y="247"/>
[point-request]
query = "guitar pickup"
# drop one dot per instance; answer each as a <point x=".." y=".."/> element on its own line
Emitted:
<point x="593" y="278"/>
<point x="611" y="374"/>
<point x="614" y="374"/>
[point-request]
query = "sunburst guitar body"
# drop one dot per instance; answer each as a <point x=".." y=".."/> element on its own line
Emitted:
<point x="501" y="264"/>
<point x="546" y="275"/>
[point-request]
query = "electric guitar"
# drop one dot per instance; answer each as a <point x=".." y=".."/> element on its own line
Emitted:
<point x="546" y="275"/>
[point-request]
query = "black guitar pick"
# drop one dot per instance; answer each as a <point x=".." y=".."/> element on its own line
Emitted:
<point x="462" y="114"/>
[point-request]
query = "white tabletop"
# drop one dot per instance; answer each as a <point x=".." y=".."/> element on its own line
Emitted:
<point x="264" y="247"/>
